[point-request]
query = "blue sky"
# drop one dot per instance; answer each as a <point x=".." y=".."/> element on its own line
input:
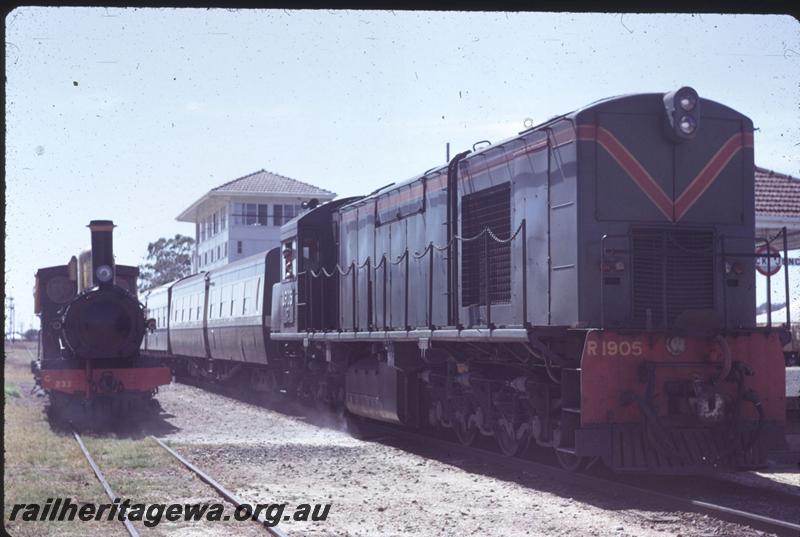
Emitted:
<point x="170" y="103"/>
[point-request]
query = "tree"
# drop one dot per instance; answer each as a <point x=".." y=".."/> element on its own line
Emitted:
<point x="31" y="334"/>
<point x="166" y="261"/>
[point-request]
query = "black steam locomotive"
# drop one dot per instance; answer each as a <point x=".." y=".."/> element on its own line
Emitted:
<point x="92" y="325"/>
<point x="587" y="285"/>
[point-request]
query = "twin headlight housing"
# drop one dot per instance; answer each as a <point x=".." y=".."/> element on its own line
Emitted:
<point x="683" y="113"/>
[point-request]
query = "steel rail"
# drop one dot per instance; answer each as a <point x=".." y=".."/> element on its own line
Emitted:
<point x="753" y="520"/>
<point x="235" y="500"/>
<point x="110" y="493"/>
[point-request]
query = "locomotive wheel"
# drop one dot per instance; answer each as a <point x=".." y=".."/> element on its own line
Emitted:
<point x="506" y="435"/>
<point x="466" y="431"/>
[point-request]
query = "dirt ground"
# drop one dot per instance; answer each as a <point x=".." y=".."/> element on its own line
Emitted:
<point x="288" y="457"/>
<point x="377" y="489"/>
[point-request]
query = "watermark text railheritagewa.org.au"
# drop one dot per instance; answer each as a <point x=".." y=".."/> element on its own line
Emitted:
<point x="64" y="509"/>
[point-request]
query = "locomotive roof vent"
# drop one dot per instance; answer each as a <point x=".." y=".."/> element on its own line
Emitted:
<point x="683" y="113"/>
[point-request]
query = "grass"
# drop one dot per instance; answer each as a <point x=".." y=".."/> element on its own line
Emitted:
<point x="42" y="463"/>
<point x="10" y="390"/>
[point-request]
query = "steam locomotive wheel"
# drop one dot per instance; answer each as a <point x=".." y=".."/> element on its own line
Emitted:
<point x="466" y="430"/>
<point x="507" y="439"/>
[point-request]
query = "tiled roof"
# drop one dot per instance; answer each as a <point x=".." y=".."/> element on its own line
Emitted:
<point x="777" y="194"/>
<point x="268" y="182"/>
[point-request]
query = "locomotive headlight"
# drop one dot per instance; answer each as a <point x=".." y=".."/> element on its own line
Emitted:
<point x="104" y="273"/>
<point x="687" y="125"/>
<point x="682" y="109"/>
<point x="688" y="101"/>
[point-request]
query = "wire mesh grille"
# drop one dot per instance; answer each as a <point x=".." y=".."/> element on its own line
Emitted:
<point x="488" y="208"/>
<point x="673" y="271"/>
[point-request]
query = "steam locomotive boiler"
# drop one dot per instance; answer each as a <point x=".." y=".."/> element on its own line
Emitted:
<point x="91" y="327"/>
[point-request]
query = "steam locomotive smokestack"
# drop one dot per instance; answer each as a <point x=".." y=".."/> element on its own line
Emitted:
<point x="102" y="251"/>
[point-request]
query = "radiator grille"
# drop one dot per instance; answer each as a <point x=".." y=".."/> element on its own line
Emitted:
<point x="487" y="208"/>
<point x="673" y="271"/>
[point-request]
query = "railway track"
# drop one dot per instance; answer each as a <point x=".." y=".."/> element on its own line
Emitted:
<point x="101" y="478"/>
<point x="663" y="492"/>
<point x="700" y="494"/>
<point x="235" y="500"/>
<point x="229" y="496"/>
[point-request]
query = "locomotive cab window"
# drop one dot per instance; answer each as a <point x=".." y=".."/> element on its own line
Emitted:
<point x="289" y="260"/>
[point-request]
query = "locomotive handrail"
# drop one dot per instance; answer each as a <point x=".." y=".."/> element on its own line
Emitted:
<point x="427" y="249"/>
<point x="602" y="274"/>
<point x="769" y="256"/>
<point x="401" y="257"/>
<point x="723" y="254"/>
<point x="486" y="233"/>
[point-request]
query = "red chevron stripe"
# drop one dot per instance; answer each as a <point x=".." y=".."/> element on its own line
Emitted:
<point x="677" y="210"/>
<point x="636" y="171"/>
<point x="707" y="175"/>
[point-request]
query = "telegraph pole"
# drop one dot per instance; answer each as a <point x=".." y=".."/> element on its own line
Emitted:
<point x="11" y="316"/>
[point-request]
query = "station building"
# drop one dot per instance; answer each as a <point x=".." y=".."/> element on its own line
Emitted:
<point x="777" y="205"/>
<point x="243" y="217"/>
